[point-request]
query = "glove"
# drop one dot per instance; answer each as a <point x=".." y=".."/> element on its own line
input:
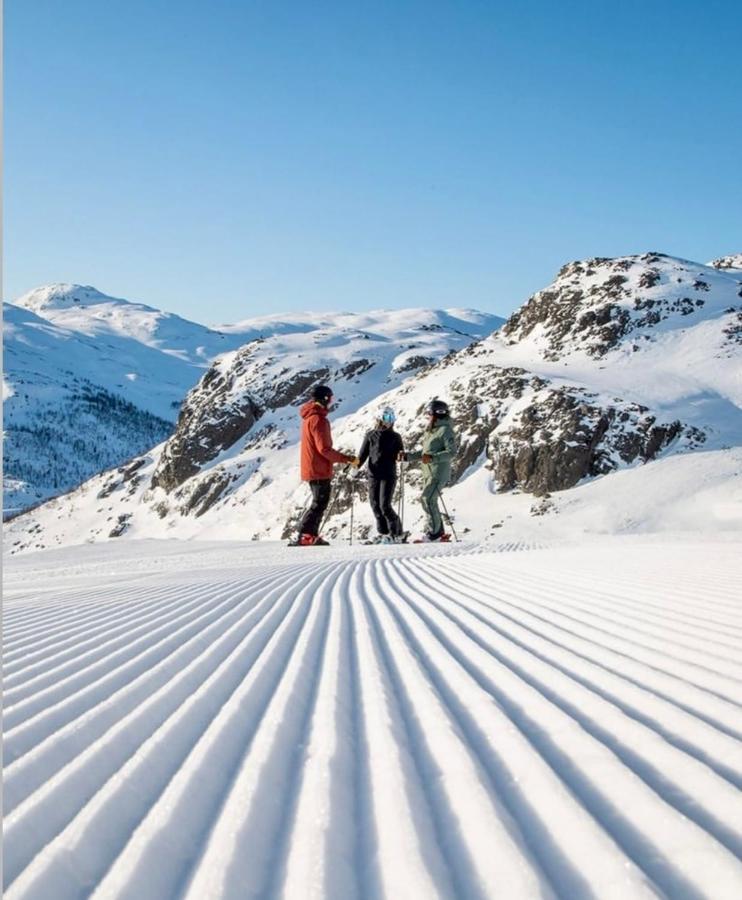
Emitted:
<point x="355" y="462"/>
<point x="426" y="458"/>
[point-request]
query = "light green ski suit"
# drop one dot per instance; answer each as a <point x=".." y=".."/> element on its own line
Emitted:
<point x="439" y="443"/>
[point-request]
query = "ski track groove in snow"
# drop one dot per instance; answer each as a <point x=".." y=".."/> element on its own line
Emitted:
<point x="604" y="800"/>
<point x="635" y="625"/>
<point x="543" y="643"/>
<point x="318" y="851"/>
<point x="463" y="721"/>
<point x="89" y="667"/>
<point x="123" y="687"/>
<point x="660" y="766"/>
<point x="187" y="726"/>
<point x="718" y="711"/>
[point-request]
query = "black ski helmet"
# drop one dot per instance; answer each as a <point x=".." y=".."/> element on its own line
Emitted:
<point x="322" y="394"/>
<point x="437" y="408"/>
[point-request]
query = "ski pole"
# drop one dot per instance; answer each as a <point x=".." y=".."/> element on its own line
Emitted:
<point x="401" y="488"/>
<point x="448" y="517"/>
<point x="352" y="502"/>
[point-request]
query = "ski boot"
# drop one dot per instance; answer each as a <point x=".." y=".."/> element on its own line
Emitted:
<point x="309" y="540"/>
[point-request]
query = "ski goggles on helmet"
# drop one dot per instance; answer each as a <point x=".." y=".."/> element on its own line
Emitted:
<point x="437" y="408"/>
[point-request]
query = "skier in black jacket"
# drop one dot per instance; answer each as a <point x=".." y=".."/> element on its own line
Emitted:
<point x="381" y="447"/>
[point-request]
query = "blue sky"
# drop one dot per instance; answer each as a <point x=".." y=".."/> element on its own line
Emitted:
<point x="228" y="159"/>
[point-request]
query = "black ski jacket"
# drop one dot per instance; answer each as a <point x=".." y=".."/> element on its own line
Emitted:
<point x="380" y="447"/>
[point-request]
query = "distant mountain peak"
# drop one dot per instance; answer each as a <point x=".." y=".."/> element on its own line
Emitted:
<point x="64" y="295"/>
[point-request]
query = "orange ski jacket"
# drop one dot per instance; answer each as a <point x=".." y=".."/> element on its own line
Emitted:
<point x="317" y="453"/>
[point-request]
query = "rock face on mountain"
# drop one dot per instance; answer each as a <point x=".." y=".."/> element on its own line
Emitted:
<point x="616" y="363"/>
<point x="223" y="407"/>
<point x="734" y="261"/>
<point x="595" y="304"/>
<point x="565" y="435"/>
<point x="213" y="416"/>
<point x="536" y="434"/>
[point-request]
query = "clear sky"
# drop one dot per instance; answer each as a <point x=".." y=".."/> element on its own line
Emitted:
<point x="225" y="159"/>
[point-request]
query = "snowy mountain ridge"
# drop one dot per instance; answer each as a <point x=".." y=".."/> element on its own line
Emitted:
<point x="617" y="363"/>
<point x="91" y="380"/>
<point x="86" y="310"/>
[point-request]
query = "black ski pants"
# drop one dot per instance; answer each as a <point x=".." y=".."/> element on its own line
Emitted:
<point x="321" y="489"/>
<point x="380" y="494"/>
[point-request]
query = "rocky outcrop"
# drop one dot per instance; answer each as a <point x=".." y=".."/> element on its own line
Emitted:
<point x="733" y="261"/>
<point x="411" y="363"/>
<point x="733" y="330"/>
<point x="204" y="493"/>
<point x="121" y="526"/>
<point x="594" y="304"/>
<point x="563" y="435"/>
<point x="211" y="420"/>
<point x="124" y="476"/>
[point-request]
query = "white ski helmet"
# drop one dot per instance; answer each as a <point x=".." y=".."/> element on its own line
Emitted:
<point x="388" y="416"/>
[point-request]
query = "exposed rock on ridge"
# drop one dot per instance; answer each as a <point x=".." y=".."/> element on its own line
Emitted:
<point x="594" y="304"/>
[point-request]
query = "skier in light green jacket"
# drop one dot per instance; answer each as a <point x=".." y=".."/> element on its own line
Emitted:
<point x="436" y="456"/>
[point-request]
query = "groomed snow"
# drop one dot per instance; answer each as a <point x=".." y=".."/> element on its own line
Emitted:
<point x="245" y="720"/>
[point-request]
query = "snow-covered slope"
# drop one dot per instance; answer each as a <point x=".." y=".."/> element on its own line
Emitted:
<point x="91" y="380"/>
<point x="467" y="722"/>
<point x="617" y="363"/>
<point x="73" y="405"/>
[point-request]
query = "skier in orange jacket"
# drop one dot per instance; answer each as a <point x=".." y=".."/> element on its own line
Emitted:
<point x="317" y="458"/>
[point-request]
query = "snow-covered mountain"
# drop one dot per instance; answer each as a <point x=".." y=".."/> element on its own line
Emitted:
<point x="86" y="311"/>
<point x="92" y="381"/>
<point x="614" y="364"/>
<point x="89" y="382"/>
